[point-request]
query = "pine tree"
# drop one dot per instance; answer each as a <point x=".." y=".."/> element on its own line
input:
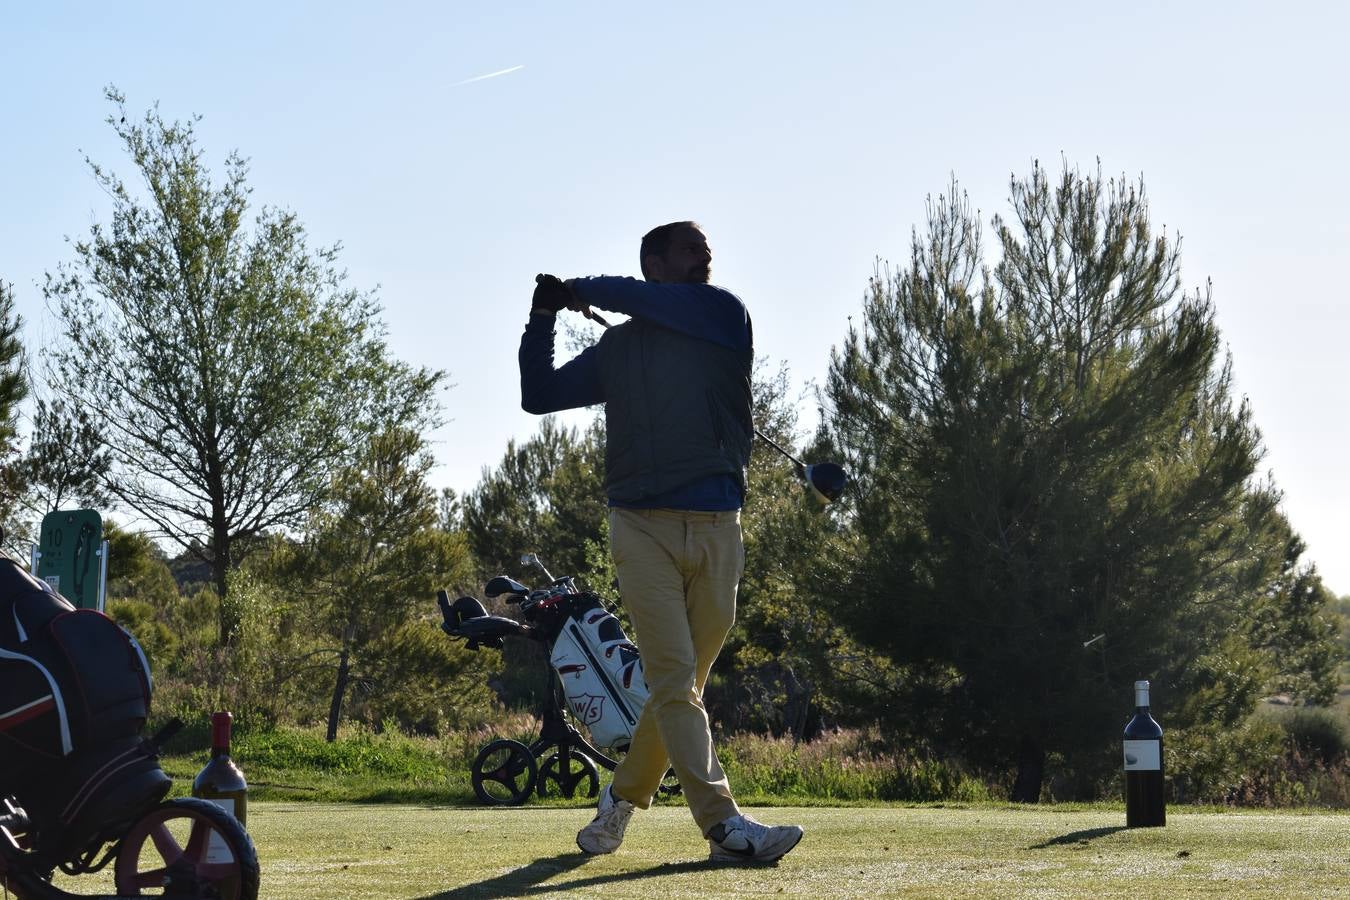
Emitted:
<point x="372" y="559"/>
<point x="13" y="391"/>
<point x="1057" y="492"/>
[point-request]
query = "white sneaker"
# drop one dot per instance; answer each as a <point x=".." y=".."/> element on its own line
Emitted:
<point x="605" y="832"/>
<point x="742" y="839"/>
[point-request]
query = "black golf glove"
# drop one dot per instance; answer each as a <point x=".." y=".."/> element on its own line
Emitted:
<point x="549" y="293"/>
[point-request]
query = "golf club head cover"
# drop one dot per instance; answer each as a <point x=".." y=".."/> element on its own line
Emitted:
<point x="550" y="293"/>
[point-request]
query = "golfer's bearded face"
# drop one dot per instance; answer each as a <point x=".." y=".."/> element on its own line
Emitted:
<point x="688" y="259"/>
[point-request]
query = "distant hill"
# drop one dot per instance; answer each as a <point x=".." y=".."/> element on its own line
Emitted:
<point x="190" y="573"/>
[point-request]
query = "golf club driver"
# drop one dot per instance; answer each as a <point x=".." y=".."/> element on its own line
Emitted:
<point x="825" y="481"/>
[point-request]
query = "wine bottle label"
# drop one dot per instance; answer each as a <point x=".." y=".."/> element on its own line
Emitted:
<point x="1143" y="756"/>
<point x="217" y="851"/>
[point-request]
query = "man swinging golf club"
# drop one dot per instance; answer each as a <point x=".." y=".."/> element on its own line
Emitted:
<point x="675" y="381"/>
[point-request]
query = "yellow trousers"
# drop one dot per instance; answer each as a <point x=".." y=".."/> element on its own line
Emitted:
<point x="678" y="573"/>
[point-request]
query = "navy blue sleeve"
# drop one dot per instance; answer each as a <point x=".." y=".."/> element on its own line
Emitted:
<point x="699" y="310"/>
<point x="544" y="389"/>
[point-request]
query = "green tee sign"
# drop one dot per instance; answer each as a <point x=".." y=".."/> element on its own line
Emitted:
<point x="71" y="556"/>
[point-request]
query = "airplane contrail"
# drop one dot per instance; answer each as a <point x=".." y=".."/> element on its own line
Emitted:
<point x="488" y="75"/>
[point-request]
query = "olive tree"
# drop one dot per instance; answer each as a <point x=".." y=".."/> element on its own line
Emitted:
<point x="228" y="365"/>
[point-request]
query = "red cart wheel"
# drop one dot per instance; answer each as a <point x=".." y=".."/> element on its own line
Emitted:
<point x="187" y="848"/>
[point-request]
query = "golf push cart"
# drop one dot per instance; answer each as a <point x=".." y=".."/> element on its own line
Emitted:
<point x="594" y="676"/>
<point x="80" y="788"/>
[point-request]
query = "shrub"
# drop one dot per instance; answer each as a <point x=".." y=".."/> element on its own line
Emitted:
<point x="1318" y="733"/>
<point x="841" y="765"/>
<point x="1211" y="763"/>
<point x="361" y="752"/>
<point x="423" y="683"/>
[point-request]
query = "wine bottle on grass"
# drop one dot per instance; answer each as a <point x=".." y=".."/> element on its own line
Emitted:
<point x="222" y="782"/>
<point x="1144" y="806"/>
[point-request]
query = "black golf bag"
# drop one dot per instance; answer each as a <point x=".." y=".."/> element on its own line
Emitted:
<point x="74" y="695"/>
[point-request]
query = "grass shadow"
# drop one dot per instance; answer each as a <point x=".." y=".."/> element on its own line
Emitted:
<point x="1077" y="837"/>
<point x="527" y="881"/>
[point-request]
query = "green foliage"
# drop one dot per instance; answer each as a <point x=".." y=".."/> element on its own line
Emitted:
<point x="133" y="559"/>
<point x="839" y="766"/>
<point x="152" y="633"/>
<point x="1297" y="625"/>
<point x="369" y="566"/>
<point x="419" y="680"/>
<point x="362" y="765"/>
<point x="366" y="763"/>
<point x="547" y="497"/>
<point x="598" y="570"/>
<point x="202" y="676"/>
<point x="361" y="752"/>
<point x="13" y="390"/>
<point x="67" y="461"/>
<point x="1320" y="734"/>
<point x="227" y="370"/>
<point x="779" y="671"/>
<point x="269" y="674"/>
<point x="13" y="382"/>
<point x="1050" y="451"/>
<point x="1341" y="611"/>
<point x="1283" y="756"/>
<point x="372" y="564"/>
<point x="193" y="674"/>
<point x="849" y="766"/>
<point x="143" y="597"/>
<point x="1213" y="762"/>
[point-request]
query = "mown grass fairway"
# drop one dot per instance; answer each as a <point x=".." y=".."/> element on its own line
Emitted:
<point x="314" y="851"/>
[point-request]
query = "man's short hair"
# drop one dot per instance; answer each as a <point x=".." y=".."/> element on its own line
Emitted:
<point x="657" y="241"/>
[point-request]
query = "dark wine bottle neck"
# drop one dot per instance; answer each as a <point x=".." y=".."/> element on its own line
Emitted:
<point x="220" y="734"/>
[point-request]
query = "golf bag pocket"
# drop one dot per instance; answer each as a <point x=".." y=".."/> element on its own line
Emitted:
<point x="109" y="697"/>
<point x="601" y="674"/>
<point x="27" y="606"/>
<point x="72" y="682"/>
<point x="34" y="728"/>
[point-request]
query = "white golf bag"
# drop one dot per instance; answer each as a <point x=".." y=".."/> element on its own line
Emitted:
<point x="601" y="673"/>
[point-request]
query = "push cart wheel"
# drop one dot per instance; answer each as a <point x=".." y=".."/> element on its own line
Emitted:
<point x="187" y="848"/>
<point x="565" y="778"/>
<point x="504" y="773"/>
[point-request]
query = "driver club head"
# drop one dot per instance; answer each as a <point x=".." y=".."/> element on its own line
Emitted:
<point x="826" y="481"/>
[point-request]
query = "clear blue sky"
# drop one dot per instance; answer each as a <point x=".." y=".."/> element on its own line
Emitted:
<point x="804" y="136"/>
